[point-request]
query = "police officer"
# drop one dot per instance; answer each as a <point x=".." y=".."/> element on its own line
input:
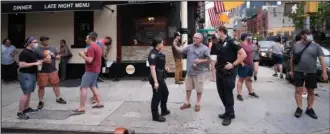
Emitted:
<point x="227" y="60"/>
<point x="157" y="77"/>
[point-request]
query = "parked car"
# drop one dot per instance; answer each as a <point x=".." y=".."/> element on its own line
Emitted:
<point x="286" y="64"/>
<point x="265" y="56"/>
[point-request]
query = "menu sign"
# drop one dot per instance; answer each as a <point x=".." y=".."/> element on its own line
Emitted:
<point x="50" y="6"/>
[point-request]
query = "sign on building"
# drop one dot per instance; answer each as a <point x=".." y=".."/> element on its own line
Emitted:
<point x="290" y="9"/>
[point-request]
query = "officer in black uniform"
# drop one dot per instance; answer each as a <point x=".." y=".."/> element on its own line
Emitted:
<point x="227" y="60"/>
<point x="157" y="77"/>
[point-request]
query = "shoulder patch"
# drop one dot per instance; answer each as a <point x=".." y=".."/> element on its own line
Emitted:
<point x="152" y="56"/>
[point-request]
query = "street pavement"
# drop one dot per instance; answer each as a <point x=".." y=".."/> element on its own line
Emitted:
<point x="127" y="104"/>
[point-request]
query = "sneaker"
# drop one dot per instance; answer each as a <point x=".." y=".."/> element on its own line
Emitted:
<point x="255" y="78"/>
<point x="311" y="113"/>
<point x="298" y="112"/>
<point x="253" y="94"/>
<point x="240" y="98"/>
<point x="30" y="110"/>
<point x="275" y="75"/>
<point x="22" y="116"/>
<point x="61" y="101"/>
<point x="226" y="121"/>
<point x="281" y="76"/>
<point x="40" y="105"/>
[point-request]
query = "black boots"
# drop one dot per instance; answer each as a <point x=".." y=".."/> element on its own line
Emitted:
<point x="157" y="117"/>
<point x="165" y="112"/>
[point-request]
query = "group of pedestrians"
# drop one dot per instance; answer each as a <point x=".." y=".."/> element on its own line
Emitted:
<point x="37" y="66"/>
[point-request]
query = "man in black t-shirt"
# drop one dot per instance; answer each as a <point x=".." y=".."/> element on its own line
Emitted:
<point x="227" y="60"/>
<point x="28" y="64"/>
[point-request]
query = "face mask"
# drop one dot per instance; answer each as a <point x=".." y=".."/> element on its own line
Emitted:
<point x="309" y="38"/>
<point x="254" y="41"/>
<point x="35" y="45"/>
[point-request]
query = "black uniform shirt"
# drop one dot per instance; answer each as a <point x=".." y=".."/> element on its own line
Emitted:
<point x="227" y="51"/>
<point x="28" y="56"/>
<point x="157" y="58"/>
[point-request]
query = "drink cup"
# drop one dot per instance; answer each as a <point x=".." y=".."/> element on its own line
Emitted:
<point x="39" y="67"/>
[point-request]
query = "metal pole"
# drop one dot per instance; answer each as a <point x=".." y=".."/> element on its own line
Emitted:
<point x="184" y="28"/>
<point x="307" y="22"/>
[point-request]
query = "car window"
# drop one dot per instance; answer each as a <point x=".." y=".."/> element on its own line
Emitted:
<point x="266" y="44"/>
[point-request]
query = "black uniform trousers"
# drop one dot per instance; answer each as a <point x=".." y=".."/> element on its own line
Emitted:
<point x="9" y="72"/>
<point x="225" y="86"/>
<point x="159" y="96"/>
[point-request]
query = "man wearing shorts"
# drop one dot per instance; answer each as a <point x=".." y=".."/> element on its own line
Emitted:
<point x="277" y="56"/>
<point x="198" y="59"/>
<point x="93" y="59"/>
<point x="305" y="71"/>
<point x="245" y="71"/>
<point x="28" y="63"/>
<point x="48" y="73"/>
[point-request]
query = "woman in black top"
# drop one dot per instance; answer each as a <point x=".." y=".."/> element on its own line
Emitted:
<point x="157" y="77"/>
<point x="28" y="65"/>
<point x="213" y="53"/>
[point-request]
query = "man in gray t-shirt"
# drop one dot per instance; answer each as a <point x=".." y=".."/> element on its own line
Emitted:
<point x="198" y="59"/>
<point x="305" y="70"/>
<point x="48" y="73"/>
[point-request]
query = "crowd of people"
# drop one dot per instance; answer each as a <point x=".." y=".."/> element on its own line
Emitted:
<point x="227" y="57"/>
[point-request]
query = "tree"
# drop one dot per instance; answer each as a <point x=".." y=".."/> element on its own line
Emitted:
<point x="316" y="19"/>
<point x="299" y="17"/>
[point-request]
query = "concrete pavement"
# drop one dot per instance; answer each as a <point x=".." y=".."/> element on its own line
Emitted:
<point x="127" y="104"/>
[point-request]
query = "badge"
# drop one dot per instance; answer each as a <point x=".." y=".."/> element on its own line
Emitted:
<point x="225" y="44"/>
<point x="152" y="56"/>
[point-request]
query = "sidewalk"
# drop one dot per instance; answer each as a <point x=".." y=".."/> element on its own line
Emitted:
<point x="127" y="104"/>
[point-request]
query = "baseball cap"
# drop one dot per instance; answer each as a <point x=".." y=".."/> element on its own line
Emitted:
<point x="305" y="31"/>
<point x="43" y="38"/>
<point x="243" y="36"/>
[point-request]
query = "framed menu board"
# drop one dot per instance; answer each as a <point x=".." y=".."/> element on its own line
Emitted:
<point x="147" y="28"/>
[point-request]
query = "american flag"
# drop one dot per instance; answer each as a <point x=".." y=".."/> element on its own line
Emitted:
<point x="214" y="18"/>
<point x="219" y="7"/>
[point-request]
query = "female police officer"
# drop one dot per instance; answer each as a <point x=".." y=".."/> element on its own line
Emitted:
<point x="156" y="61"/>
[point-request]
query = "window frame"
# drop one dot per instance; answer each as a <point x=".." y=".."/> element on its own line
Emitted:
<point x="162" y="18"/>
<point x="18" y="42"/>
<point x="89" y="19"/>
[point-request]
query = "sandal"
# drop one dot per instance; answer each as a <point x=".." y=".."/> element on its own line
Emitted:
<point x="93" y="100"/>
<point x="185" y="106"/>
<point x="98" y="106"/>
<point x="77" y="112"/>
<point x="197" y="108"/>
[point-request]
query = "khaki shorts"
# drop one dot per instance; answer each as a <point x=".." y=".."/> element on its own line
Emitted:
<point x="195" y="82"/>
<point x="45" y="79"/>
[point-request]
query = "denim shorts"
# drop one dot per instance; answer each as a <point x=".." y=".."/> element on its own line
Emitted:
<point x="27" y="82"/>
<point x="89" y="80"/>
<point x="245" y="71"/>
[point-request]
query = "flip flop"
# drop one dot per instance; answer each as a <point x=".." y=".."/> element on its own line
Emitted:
<point x="98" y="106"/>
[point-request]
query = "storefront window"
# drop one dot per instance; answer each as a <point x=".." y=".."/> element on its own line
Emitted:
<point x="146" y="28"/>
<point x="16" y="29"/>
<point x="83" y="24"/>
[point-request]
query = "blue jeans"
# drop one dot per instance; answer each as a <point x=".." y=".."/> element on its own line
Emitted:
<point x="27" y="82"/>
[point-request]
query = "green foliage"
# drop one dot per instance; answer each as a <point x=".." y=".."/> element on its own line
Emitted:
<point x="316" y="19"/>
<point x="298" y="18"/>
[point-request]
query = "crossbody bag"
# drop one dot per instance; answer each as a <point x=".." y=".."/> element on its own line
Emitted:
<point x="297" y="56"/>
